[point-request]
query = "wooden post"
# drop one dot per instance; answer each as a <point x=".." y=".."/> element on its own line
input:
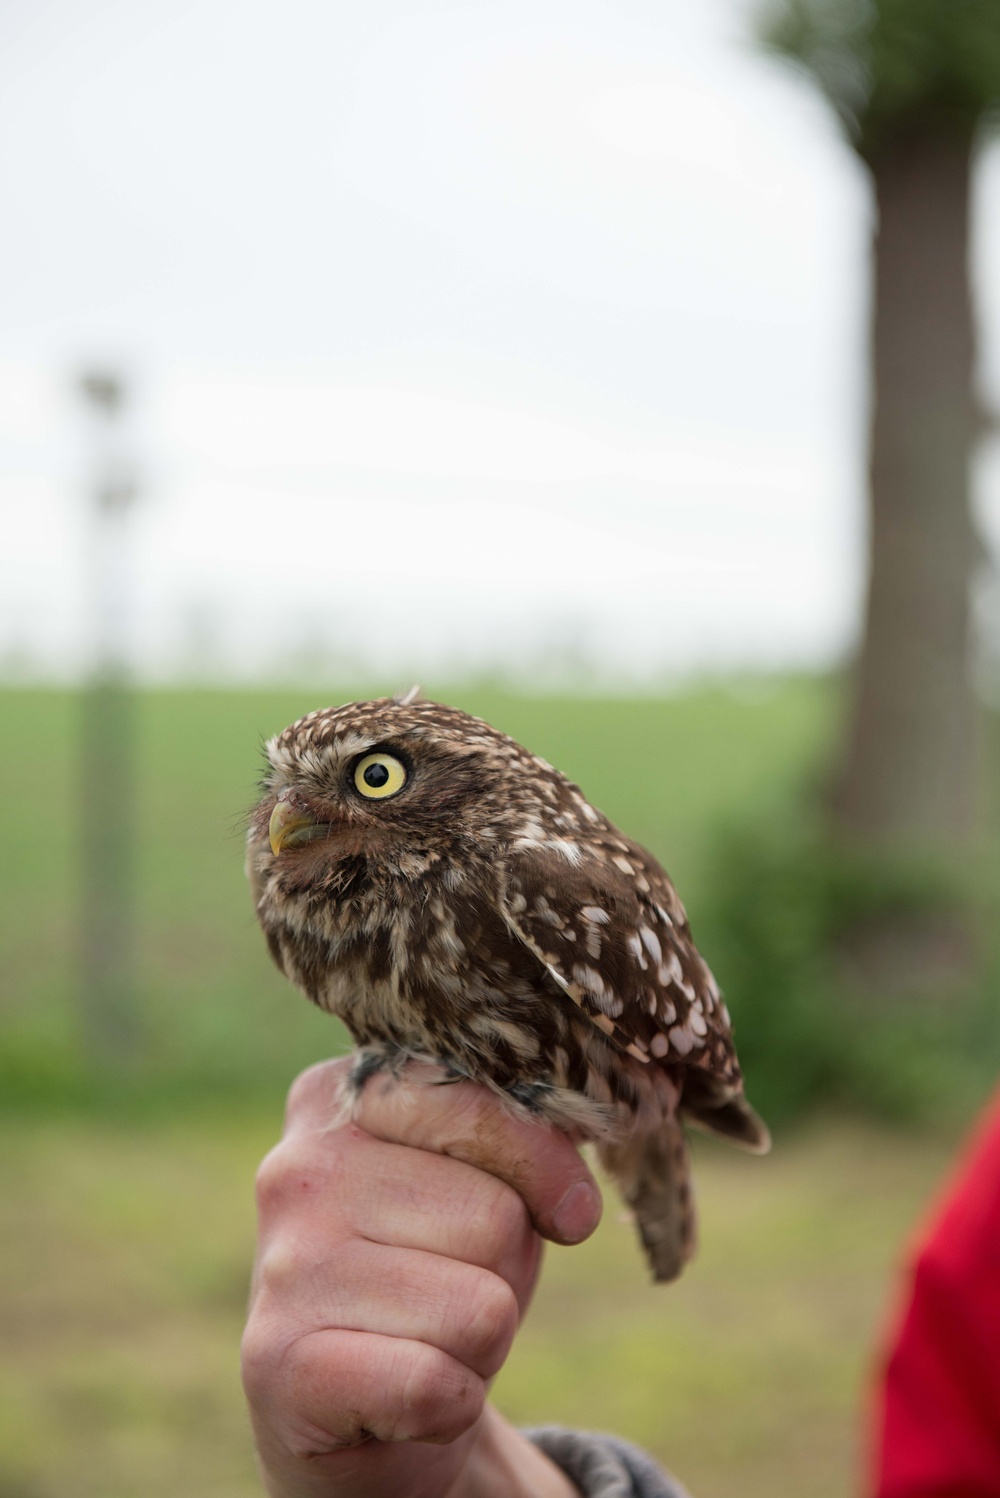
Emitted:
<point x="107" y="744"/>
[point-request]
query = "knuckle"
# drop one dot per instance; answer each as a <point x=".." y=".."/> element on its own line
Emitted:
<point x="440" y="1399"/>
<point x="425" y="1386"/>
<point x="316" y="1086"/>
<point x="289" y="1174"/>
<point x="505" y="1217"/>
<point x="492" y="1322"/>
<point x="269" y="1184"/>
<point x="281" y="1269"/>
<point x="259" y="1357"/>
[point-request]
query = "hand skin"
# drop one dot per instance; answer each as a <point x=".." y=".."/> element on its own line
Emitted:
<point x="397" y="1253"/>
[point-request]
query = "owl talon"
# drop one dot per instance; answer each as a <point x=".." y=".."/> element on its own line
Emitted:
<point x="530" y="1095"/>
<point x="368" y="1063"/>
<point x="451" y="1075"/>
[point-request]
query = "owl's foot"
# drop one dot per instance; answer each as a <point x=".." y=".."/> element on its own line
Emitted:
<point x="579" y="1116"/>
<point x="386" y="1056"/>
<point x="535" y="1096"/>
<point x="381" y="1059"/>
<point x="369" y="1061"/>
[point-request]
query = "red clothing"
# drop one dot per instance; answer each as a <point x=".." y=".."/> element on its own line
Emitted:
<point x="940" y="1415"/>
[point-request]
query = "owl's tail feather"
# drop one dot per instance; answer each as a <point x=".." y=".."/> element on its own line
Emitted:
<point x="651" y="1170"/>
<point x="733" y="1120"/>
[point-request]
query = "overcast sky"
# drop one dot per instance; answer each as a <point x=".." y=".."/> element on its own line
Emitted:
<point x="463" y="336"/>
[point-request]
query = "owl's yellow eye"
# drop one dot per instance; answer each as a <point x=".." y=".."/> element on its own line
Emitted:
<point x="379" y="775"/>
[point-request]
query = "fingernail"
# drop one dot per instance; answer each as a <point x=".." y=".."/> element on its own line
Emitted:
<point x="579" y="1212"/>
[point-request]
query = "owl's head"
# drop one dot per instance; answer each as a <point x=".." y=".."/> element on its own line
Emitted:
<point x="392" y="781"/>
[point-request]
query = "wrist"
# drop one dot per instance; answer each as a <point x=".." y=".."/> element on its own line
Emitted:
<point x="503" y="1463"/>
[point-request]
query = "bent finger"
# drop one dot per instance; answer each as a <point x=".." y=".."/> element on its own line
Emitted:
<point x="471" y="1124"/>
<point x="337" y="1389"/>
<point x="470" y="1313"/>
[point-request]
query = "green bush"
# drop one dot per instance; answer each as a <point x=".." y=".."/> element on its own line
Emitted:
<point x="783" y="920"/>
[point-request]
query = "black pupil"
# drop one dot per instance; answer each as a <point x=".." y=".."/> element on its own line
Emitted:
<point x="375" y="776"/>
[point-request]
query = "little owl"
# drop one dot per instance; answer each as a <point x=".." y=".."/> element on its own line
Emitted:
<point x="450" y="896"/>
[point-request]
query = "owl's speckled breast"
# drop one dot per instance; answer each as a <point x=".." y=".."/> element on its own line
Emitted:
<point x="420" y="961"/>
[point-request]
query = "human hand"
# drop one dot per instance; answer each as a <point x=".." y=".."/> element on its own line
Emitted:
<point x="396" y="1255"/>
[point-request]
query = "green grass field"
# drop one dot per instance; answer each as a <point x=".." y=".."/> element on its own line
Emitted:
<point x="123" y="1272"/>
<point x="127" y="1230"/>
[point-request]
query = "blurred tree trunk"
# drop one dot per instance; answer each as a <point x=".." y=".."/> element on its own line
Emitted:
<point x="108" y="856"/>
<point x="108" y="988"/>
<point x="909" y="775"/>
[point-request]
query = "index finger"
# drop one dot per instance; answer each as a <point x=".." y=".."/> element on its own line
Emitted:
<point x="469" y="1123"/>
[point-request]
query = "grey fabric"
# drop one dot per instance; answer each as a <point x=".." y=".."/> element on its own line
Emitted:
<point x="603" y="1466"/>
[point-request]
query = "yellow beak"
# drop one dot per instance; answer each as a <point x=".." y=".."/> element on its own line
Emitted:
<point x="289" y="827"/>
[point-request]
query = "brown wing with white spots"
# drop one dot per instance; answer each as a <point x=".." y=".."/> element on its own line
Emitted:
<point x="612" y="932"/>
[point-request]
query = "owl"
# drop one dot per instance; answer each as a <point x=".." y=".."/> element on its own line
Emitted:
<point x="451" y="896"/>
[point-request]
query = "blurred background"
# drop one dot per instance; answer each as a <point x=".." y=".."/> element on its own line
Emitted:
<point x="627" y="374"/>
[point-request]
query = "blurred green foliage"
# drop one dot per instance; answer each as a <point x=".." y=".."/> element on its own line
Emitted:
<point x="887" y="63"/>
<point x="782" y="910"/>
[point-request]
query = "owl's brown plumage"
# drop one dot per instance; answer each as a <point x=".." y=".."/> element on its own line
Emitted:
<point x="448" y="894"/>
